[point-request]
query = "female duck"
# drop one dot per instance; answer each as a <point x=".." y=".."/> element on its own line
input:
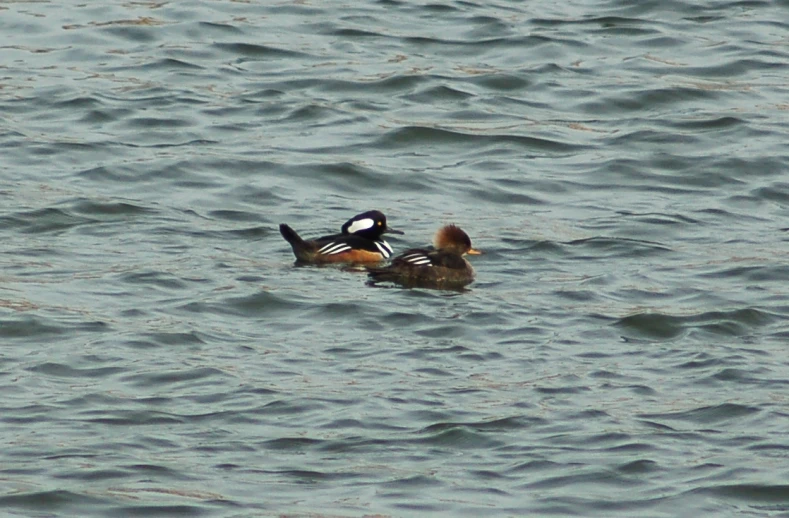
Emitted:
<point x="443" y="267"/>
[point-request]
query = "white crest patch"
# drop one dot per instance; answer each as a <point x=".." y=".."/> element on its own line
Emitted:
<point x="384" y="247"/>
<point x="362" y="224"/>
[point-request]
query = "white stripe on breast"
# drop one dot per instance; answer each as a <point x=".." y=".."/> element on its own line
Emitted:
<point x="384" y="247"/>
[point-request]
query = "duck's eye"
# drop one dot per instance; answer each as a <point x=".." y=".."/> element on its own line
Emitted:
<point x="380" y="223"/>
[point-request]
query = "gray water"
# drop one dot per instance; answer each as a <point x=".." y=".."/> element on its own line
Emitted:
<point x="622" y="352"/>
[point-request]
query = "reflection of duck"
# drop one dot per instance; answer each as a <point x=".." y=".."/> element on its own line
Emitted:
<point x="360" y="242"/>
<point x="441" y="267"/>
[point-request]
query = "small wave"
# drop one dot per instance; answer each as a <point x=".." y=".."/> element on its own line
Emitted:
<point x="711" y="123"/>
<point x="256" y="304"/>
<point x="707" y="414"/>
<point x="659" y="326"/>
<point x="619" y="247"/>
<point x="159" y="379"/>
<point x="60" y="370"/>
<point x="30" y="327"/>
<point x="162" y="280"/>
<point x="113" y="209"/>
<point x="251" y="50"/>
<point x="41" y="221"/>
<point x="171" y="64"/>
<point x="432" y="136"/>
<point x="770" y="494"/>
<point x="45" y="501"/>
<point x="157" y="123"/>
<point x="456" y="436"/>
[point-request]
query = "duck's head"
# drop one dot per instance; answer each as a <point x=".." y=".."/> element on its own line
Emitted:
<point x="452" y="239"/>
<point x="370" y="224"/>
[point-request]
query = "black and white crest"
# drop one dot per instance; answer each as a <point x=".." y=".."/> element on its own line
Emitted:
<point x="369" y="225"/>
<point x="360" y="224"/>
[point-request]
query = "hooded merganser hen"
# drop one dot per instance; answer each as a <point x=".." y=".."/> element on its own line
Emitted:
<point x="443" y="267"/>
<point x="359" y="242"/>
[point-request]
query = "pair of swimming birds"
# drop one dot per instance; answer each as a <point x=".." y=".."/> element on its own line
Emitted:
<point x="361" y="242"/>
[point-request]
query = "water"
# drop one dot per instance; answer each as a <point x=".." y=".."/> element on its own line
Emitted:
<point x="622" y="352"/>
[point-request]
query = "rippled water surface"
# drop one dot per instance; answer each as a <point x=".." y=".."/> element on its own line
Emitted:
<point x="623" y="351"/>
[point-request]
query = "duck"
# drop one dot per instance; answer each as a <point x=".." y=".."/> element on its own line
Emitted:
<point x="360" y="242"/>
<point x="442" y="267"/>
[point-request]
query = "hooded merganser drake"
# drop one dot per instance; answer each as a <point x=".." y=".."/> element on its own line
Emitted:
<point x="359" y="242"/>
<point x="443" y="267"/>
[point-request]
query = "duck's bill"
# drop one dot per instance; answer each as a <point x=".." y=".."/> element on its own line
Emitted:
<point x="390" y="230"/>
<point x="474" y="251"/>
